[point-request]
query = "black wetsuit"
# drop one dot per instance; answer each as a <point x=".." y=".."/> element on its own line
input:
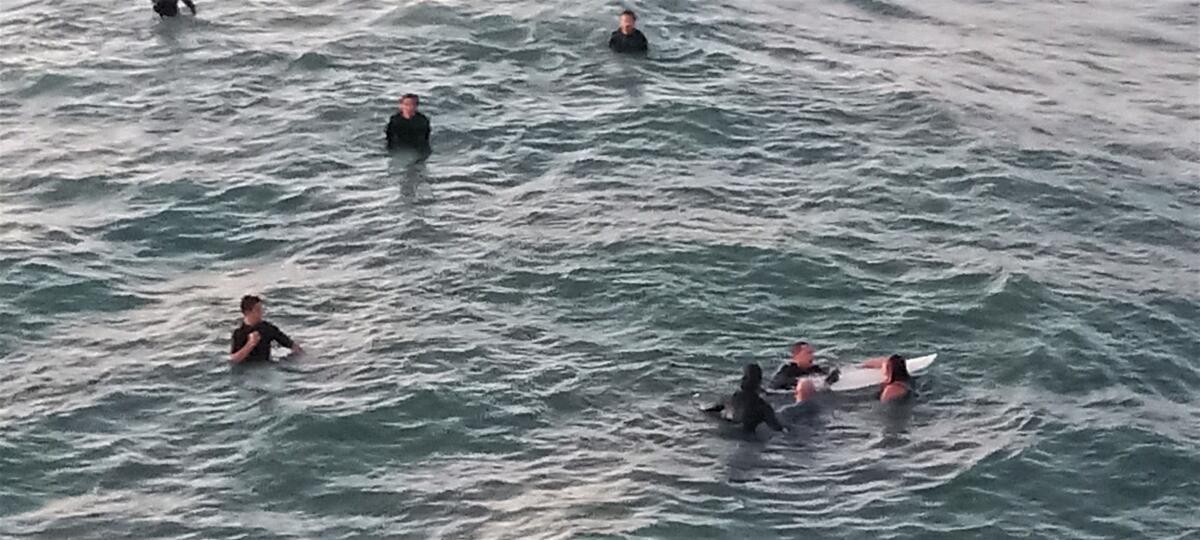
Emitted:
<point x="408" y="132"/>
<point x="628" y="43"/>
<point x="745" y="406"/>
<point x="790" y="373"/>
<point x="170" y="8"/>
<point x="267" y="333"/>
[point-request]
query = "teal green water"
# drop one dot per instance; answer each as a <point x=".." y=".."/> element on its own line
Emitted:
<point x="509" y="339"/>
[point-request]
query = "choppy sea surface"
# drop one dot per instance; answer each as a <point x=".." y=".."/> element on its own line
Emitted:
<point x="510" y="338"/>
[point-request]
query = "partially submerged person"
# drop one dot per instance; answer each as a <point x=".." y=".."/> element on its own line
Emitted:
<point x="627" y="38"/>
<point x="252" y="338"/>
<point x="170" y="8"/>
<point x="897" y="383"/>
<point x="799" y="367"/>
<point x="408" y="128"/>
<point x="746" y="406"/>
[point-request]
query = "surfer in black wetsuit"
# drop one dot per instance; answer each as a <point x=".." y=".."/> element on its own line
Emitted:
<point x="408" y="128"/>
<point x="170" y="8"/>
<point x="252" y="338"/>
<point x="801" y="366"/>
<point x="627" y="38"/>
<point x="746" y="406"/>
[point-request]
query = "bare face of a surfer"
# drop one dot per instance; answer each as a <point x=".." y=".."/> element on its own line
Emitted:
<point x="255" y="315"/>
<point x="627" y="23"/>
<point x="408" y="107"/>
<point x="803" y="355"/>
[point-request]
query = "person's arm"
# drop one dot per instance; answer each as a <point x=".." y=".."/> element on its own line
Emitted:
<point x="239" y="354"/>
<point x="284" y="340"/>
<point x="780" y="380"/>
<point x="614" y="42"/>
<point x="190" y="5"/>
<point x="643" y="43"/>
<point x="715" y="407"/>
<point x="391" y="135"/>
<point x="768" y="415"/>
<point x="425" y="137"/>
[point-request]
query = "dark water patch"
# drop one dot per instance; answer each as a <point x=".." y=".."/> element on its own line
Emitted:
<point x="890" y="10"/>
<point x="312" y="61"/>
<point x="51" y="84"/>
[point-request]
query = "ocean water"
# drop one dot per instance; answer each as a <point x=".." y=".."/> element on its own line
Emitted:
<point x="510" y="339"/>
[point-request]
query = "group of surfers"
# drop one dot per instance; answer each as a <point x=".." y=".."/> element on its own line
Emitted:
<point x="747" y="407"/>
<point x="409" y="128"/>
<point x="251" y="342"/>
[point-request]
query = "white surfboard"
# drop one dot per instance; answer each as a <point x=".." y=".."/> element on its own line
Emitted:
<point x="854" y="378"/>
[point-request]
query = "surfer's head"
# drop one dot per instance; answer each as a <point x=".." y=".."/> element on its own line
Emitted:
<point x="408" y="105"/>
<point x="628" y="21"/>
<point x="802" y="354"/>
<point x="895" y="369"/>
<point x="751" y="377"/>
<point x="252" y="309"/>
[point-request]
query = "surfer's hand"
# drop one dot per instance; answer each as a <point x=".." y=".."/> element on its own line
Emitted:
<point x="254" y="338"/>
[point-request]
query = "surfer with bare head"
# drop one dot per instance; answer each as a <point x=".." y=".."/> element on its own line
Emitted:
<point x="800" y="366"/>
<point x="408" y="128"/>
<point x="897" y="383"/>
<point x="627" y="38"/>
<point x="251" y="341"/>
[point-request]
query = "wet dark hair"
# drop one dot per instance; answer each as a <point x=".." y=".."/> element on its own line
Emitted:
<point x="751" y="377"/>
<point x="249" y="301"/>
<point x="416" y="99"/>
<point x="630" y="13"/>
<point x="899" y="369"/>
<point x="798" y="345"/>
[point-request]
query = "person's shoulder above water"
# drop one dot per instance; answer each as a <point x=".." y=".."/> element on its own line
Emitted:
<point x="801" y="365"/>
<point x="627" y="38"/>
<point x="746" y="407"/>
<point x="897" y="382"/>
<point x="408" y="127"/>
<point x="251" y="340"/>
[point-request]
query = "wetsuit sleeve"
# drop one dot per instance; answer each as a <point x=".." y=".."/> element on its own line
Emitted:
<point x="643" y="44"/>
<point x="391" y="134"/>
<point x="780" y="380"/>
<point x="612" y="41"/>
<point x="280" y="337"/>
<point x="715" y="407"/>
<point x="238" y="341"/>
<point x="425" y="136"/>
<point x="190" y="5"/>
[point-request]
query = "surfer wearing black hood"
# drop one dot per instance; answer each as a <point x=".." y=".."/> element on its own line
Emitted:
<point x="746" y="406"/>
